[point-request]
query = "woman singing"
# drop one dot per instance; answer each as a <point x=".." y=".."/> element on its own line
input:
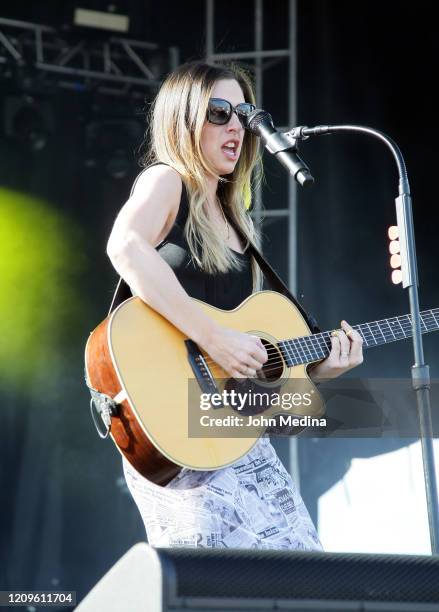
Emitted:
<point x="172" y="242"/>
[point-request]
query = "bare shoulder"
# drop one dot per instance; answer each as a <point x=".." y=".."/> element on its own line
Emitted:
<point x="151" y="209"/>
<point x="160" y="181"/>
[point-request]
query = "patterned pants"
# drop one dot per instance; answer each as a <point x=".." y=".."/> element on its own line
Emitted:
<point x="251" y="504"/>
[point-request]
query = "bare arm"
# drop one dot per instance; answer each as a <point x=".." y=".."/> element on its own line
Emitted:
<point x="141" y="224"/>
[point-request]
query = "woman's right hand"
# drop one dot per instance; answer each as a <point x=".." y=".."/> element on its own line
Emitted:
<point x="241" y="355"/>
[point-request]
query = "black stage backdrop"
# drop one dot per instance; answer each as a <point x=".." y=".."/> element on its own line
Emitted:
<point x="66" y="513"/>
<point x="365" y="64"/>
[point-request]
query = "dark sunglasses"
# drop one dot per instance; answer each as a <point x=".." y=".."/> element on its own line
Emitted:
<point x="220" y="111"/>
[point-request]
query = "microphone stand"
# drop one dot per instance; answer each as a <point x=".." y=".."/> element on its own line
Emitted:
<point x="420" y="371"/>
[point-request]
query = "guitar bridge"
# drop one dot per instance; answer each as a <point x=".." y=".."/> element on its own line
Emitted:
<point x="200" y="368"/>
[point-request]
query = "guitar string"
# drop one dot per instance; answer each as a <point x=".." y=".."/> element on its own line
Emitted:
<point x="312" y="342"/>
<point x="219" y="372"/>
<point x="312" y="349"/>
<point x="304" y="347"/>
<point x="313" y="338"/>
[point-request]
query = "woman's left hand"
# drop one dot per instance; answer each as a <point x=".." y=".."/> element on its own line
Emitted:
<point x="346" y="353"/>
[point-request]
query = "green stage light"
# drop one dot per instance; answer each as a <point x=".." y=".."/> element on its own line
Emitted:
<point x="40" y="258"/>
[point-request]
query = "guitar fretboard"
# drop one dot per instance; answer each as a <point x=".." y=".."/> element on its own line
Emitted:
<point x="307" y="349"/>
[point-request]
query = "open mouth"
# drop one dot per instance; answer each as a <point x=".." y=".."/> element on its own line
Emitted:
<point x="230" y="150"/>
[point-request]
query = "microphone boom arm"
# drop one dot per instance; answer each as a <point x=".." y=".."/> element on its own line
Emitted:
<point x="420" y="371"/>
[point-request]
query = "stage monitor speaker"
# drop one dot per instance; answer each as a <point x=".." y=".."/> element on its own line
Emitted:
<point x="149" y="579"/>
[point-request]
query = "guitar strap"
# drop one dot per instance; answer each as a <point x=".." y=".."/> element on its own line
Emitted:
<point x="123" y="292"/>
<point x="274" y="279"/>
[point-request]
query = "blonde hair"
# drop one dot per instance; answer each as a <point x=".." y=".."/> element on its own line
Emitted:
<point x="176" y="120"/>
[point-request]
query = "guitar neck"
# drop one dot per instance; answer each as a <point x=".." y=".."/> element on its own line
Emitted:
<point x="307" y="349"/>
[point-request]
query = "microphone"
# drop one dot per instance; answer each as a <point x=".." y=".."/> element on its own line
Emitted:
<point x="283" y="146"/>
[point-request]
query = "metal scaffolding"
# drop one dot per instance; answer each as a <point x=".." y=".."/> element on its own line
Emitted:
<point x="260" y="57"/>
<point x="114" y="64"/>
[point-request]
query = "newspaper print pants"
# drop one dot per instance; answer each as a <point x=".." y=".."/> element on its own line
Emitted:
<point x="252" y="504"/>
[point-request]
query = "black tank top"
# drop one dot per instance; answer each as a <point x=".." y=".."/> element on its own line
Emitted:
<point x="224" y="290"/>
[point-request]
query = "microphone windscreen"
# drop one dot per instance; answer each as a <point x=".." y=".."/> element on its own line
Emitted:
<point x="256" y="118"/>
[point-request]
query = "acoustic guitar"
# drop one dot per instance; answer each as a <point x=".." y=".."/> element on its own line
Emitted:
<point x="167" y="405"/>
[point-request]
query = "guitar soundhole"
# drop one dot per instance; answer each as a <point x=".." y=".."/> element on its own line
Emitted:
<point x="274" y="366"/>
<point x="271" y="372"/>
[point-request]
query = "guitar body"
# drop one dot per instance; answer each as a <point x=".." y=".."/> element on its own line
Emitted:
<point x="139" y="356"/>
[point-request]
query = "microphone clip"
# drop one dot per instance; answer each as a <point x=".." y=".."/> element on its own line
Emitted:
<point x="297" y="133"/>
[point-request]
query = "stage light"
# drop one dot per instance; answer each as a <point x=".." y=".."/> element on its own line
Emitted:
<point x="101" y="20"/>
<point x="396" y="277"/>
<point x="29" y="128"/>
<point x="111" y="144"/>
<point x="395" y="261"/>
<point x="394" y="250"/>
<point x="393" y="232"/>
<point x="118" y="166"/>
<point x="40" y="256"/>
<point x="394" y="247"/>
<point x="28" y="121"/>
